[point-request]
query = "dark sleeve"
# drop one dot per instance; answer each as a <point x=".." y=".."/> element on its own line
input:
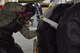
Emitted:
<point x="68" y="35"/>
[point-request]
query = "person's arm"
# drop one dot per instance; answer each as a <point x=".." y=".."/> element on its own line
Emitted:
<point x="6" y="18"/>
<point x="27" y="14"/>
<point x="27" y="33"/>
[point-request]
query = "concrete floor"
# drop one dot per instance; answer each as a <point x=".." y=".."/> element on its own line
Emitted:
<point x="27" y="45"/>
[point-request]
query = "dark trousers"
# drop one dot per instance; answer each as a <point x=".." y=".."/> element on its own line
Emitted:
<point x="14" y="49"/>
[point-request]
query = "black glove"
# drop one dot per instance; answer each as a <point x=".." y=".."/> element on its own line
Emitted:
<point x="27" y="13"/>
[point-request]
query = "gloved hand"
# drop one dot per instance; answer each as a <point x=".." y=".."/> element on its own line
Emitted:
<point x="24" y="17"/>
<point x="26" y="14"/>
<point x="28" y="23"/>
